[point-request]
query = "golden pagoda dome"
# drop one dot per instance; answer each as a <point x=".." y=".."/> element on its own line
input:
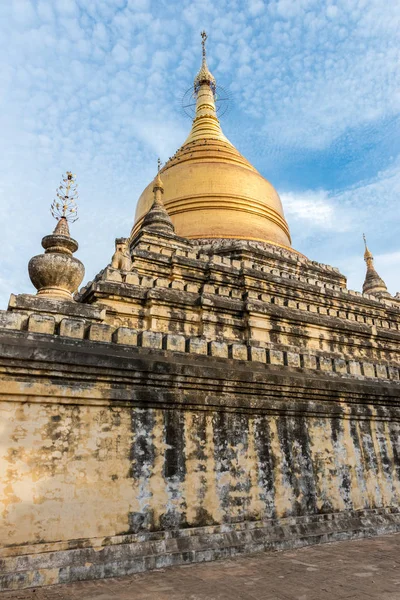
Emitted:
<point x="210" y="190"/>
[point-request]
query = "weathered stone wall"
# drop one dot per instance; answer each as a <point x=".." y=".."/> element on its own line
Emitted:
<point x="91" y="471"/>
<point x="109" y="452"/>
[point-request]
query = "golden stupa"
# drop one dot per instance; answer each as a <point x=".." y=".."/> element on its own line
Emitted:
<point x="211" y="190"/>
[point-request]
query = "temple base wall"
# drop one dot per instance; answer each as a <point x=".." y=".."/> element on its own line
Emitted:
<point x="117" y="459"/>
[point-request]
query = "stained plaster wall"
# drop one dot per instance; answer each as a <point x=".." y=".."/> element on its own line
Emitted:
<point x="70" y="472"/>
<point x="99" y="442"/>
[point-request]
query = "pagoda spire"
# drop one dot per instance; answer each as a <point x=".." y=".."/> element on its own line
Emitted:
<point x="204" y="76"/>
<point x="373" y="284"/>
<point x="158" y="187"/>
<point x="205" y="123"/>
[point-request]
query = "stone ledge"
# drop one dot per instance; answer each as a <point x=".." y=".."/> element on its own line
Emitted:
<point x="60" y="308"/>
<point x="146" y="551"/>
<point x="265" y="354"/>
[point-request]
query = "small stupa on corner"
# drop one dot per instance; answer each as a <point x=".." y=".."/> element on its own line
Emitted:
<point x="373" y="283"/>
<point x="157" y="218"/>
<point x="56" y="273"/>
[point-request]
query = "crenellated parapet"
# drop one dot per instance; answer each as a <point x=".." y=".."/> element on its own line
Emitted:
<point x="88" y="326"/>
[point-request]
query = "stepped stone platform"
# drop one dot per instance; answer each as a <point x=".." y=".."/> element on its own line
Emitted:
<point x="365" y="569"/>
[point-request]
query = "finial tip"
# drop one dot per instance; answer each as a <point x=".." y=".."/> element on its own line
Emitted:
<point x="158" y="184"/>
<point x="367" y="253"/>
<point x="204" y="75"/>
<point x="203" y="42"/>
<point x="64" y="206"/>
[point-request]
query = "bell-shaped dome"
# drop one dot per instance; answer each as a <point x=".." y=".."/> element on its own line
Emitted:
<point x="210" y="190"/>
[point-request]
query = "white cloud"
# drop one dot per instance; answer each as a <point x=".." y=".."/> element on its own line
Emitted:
<point x="120" y="54"/>
<point x="389" y="260"/>
<point x="23" y="13"/>
<point x="312" y="207"/>
<point x="328" y="226"/>
<point x="256" y="7"/>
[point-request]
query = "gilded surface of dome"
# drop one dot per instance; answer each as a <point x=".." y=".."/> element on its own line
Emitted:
<point x="210" y="190"/>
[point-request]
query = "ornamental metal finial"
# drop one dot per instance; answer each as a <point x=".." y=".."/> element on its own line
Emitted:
<point x="64" y="206"/>
<point x="203" y="42"/>
<point x="367" y="253"/>
<point x="158" y="187"/>
<point x="204" y="75"/>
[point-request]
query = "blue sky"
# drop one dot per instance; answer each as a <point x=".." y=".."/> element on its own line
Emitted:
<point x="94" y="86"/>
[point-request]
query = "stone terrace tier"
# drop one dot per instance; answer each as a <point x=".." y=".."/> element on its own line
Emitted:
<point x="231" y="299"/>
<point x="245" y="293"/>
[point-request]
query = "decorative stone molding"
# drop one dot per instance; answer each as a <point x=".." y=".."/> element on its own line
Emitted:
<point x="170" y="342"/>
